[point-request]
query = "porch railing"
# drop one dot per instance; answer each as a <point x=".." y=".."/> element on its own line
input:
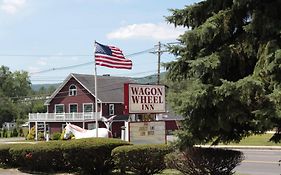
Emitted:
<point x="63" y="117"/>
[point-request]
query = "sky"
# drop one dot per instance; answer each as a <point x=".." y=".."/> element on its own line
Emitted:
<point x="52" y="38"/>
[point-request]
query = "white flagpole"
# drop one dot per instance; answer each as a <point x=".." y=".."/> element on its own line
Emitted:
<point x="96" y="92"/>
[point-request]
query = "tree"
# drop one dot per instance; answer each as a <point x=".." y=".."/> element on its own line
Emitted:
<point x="14" y="87"/>
<point x="8" y="111"/>
<point x="227" y="73"/>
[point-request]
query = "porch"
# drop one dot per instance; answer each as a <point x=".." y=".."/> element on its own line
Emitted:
<point x="63" y="117"/>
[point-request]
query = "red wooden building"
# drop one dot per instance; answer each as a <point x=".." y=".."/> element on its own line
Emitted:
<point x="73" y="101"/>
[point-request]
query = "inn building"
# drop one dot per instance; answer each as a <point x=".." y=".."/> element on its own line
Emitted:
<point x="74" y="101"/>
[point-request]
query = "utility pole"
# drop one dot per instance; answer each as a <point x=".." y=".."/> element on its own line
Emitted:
<point x="159" y="52"/>
<point x="159" y="59"/>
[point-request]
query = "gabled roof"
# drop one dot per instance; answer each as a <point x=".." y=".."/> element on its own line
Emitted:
<point x="110" y="89"/>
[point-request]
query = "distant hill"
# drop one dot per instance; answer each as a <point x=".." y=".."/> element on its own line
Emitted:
<point x="36" y="87"/>
<point x="150" y="79"/>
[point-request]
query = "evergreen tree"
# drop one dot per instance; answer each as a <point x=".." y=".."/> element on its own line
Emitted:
<point x="227" y="73"/>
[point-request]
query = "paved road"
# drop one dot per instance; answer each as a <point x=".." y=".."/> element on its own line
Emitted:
<point x="260" y="162"/>
<point x="11" y="139"/>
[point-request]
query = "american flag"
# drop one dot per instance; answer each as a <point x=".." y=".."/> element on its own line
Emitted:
<point x="112" y="57"/>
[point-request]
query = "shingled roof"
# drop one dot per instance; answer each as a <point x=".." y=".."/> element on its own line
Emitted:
<point x="110" y="88"/>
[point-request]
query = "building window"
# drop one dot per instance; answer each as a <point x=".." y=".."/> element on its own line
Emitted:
<point x="59" y="108"/>
<point x="111" y="109"/>
<point x="88" y="107"/>
<point x="72" y="90"/>
<point x="73" y="108"/>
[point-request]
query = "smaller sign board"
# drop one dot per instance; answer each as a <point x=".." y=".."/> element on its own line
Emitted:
<point x="147" y="132"/>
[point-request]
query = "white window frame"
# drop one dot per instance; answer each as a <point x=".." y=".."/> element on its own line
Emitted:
<point x="70" y="105"/>
<point x="72" y="92"/>
<point x="88" y="104"/>
<point x="111" y="109"/>
<point x="62" y="108"/>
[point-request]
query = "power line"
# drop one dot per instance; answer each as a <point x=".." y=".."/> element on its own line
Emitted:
<point x="61" y="68"/>
<point x="79" y="65"/>
<point x="50" y="78"/>
<point x="44" y="55"/>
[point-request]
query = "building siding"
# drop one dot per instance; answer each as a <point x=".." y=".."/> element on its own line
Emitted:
<point x="62" y="97"/>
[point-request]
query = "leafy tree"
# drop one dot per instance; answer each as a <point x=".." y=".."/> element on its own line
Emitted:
<point x="38" y="106"/>
<point x="8" y="111"/>
<point x="14" y="87"/>
<point x="226" y="79"/>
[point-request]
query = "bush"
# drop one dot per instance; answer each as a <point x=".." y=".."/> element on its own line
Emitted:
<point x="14" y="133"/>
<point x="90" y="156"/>
<point x="56" y="136"/>
<point x="31" y="134"/>
<point x="6" y="159"/>
<point x="5" y="133"/>
<point x="84" y="156"/>
<point x="141" y="159"/>
<point x="44" y="156"/>
<point x="40" y="136"/>
<point x="21" y="134"/>
<point x="204" y="161"/>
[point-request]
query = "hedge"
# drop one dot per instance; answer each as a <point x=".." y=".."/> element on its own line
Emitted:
<point x="43" y="156"/>
<point x="83" y="156"/>
<point x="141" y="159"/>
<point x="94" y="158"/>
<point x="6" y="159"/>
<point x="204" y="161"/>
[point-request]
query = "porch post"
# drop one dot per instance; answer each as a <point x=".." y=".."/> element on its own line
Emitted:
<point x="28" y="126"/>
<point x="100" y="109"/>
<point x="44" y="129"/>
<point x="36" y="131"/>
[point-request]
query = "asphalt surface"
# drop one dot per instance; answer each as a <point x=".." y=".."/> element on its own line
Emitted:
<point x="260" y="162"/>
<point x="11" y="172"/>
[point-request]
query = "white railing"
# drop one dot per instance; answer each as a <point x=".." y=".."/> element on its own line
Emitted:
<point x="63" y="117"/>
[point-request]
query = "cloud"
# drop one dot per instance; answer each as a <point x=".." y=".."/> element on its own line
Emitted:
<point x="12" y="6"/>
<point x="33" y="69"/>
<point x="159" y="31"/>
<point x="42" y="61"/>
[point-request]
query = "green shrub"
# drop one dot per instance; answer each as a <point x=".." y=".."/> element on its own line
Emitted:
<point x="85" y="156"/>
<point x="31" y="134"/>
<point x="6" y="159"/>
<point x="14" y="133"/>
<point x="56" y="136"/>
<point x="204" y="161"/>
<point x="44" y="156"/>
<point x="141" y="159"/>
<point x="40" y="136"/>
<point x="21" y="134"/>
<point x="62" y="134"/>
<point x="90" y="156"/>
<point x="5" y="133"/>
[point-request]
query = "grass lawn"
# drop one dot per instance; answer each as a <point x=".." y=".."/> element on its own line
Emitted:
<point x="170" y="172"/>
<point x="257" y="140"/>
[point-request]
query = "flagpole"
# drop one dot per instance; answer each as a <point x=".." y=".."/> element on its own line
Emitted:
<point x="96" y="92"/>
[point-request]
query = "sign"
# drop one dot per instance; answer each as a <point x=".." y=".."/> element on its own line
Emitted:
<point x="139" y="98"/>
<point x="147" y="132"/>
